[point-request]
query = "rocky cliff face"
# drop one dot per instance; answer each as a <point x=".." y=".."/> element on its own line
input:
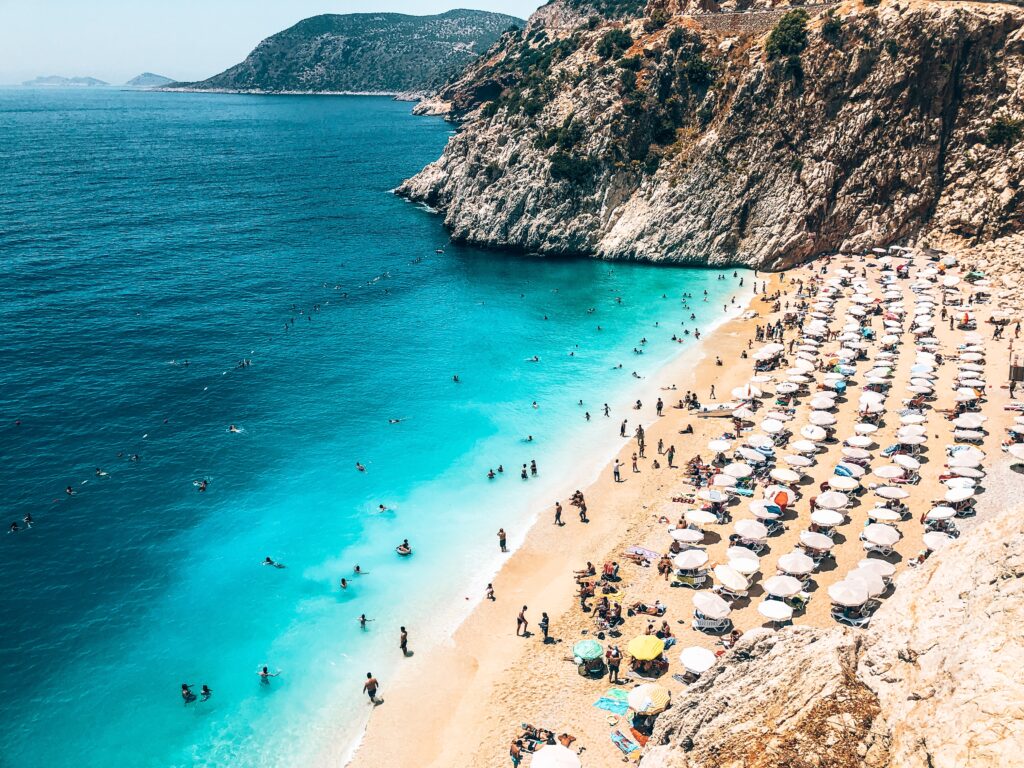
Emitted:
<point x="744" y="139"/>
<point x="934" y="682"/>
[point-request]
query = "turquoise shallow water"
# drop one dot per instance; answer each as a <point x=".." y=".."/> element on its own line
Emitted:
<point x="140" y="230"/>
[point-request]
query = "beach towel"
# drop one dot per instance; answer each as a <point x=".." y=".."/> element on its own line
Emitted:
<point x="624" y="743"/>
<point x="614" y="700"/>
<point x="650" y="554"/>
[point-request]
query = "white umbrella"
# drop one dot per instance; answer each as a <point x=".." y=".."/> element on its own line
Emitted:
<point x="956" y="495"/>
<point x="843" y="483"/>
<point x="751" y="529"/>
<point x="833" y="500"/>
<point x="977" y="474"/>
<point x="912" y="440"/>
<point x="935" y="540"/>
<point x="891" y="492"/>
<point x="822" y="403"/>
<point x="883" y="568"/>
<point x="855" y="453"/>
<point x="556" y="756"/>
<point x="907" y="462"/>
<point x="743" y="413"/>
<point x="711" y="605"/>
<point x="746" y="392"/>
<point x="690" y="559"/>
<point x="860" y="441"/>
<point x="1017" y="451"/>
<point x="912" y="418"/>
<point x="719" y="446"/>
<point x="737" y="470"/>
<point x="828" y="518"/>
<point x="884" y="515"/>
<point x="783" y="475"/>
<point x="730" y="578"/>
<point x="795" y="563"/>
<point x="888" y="472"/>
<point x="880" y="534"/>
<point x="871" y="581"/>
<point x="849" y="594"/>
<point x="940" y="513"/>
<point x="772" y="493"/>
<point x="812" y="432"/>
<point x="815" y="540"/>
<point x="776" y="610"/>
<point x="772" y="426"/>
<point x="697" y="660"/>
<point x="751" y="455"/>
<point x="795" y="460"/>
<point x="723" y="481"/>
<point x="864" y="428"/>
<point x="759" y="441"/>
<point x="964" y="460"/>
<point x="803" y="446"/>
<point x="787" y="388"/>
<point x="783" y="586"/>
<point x="687" y="535"/>
<point x="699" y="517"/>
<point x="911" y="430"/>
<point x="712" y="495"/>
<point x="821" y="418"/>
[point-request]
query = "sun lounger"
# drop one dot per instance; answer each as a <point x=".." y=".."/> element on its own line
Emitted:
<point x="693" y="582"/>
<point x="858" y="622"/>
<point x="712" y="625"/>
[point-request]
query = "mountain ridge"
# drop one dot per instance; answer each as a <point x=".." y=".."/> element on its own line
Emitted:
<point x="363" y="53"/>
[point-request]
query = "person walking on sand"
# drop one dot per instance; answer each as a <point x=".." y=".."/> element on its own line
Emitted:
<point x="521" y="623"/>
<point x="661" y="446"/>
<point x="501" y="539"/>
<point x="370" y="687"/>
<point x="515" y="751"/>
<point x="622" y="428"/>
<point x="489" y="593"/>
<point x="670" y="455"/>
<point x="614" y="658"/>
<point x="583" y="512"/>
<point x="403" y="641"/>
<point x="660" y="406"/>
<point x="635" y="467"/>
<point x="712" y="391"/>
<point x="544" y="624"/>
<point x="558" y="513"/>
<point x="616" y="473"/>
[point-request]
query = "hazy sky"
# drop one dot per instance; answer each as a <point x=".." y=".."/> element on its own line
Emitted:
<point x="115" y="40"/>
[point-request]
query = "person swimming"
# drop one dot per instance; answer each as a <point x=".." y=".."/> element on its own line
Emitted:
<point x="360" y="467"/>
<point x="344" y="583"/>
<point x="234" y="429"/>
<point x="266" y="674"/>
<point x="269" y="561"/>
<point x="490" y="474"/>
<point x="359" y="571"/>
<point x="404" y="548"/>
<point x="362" y="621"/>
<point x="100" y="472"/>
<point x="186" y="693"/>
<point x="200" y="484"/>
<point x="394" y="421"/>
<point x="205" y="693"/>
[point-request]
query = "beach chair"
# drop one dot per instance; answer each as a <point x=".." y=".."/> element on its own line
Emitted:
<point x="728" y="594"/>
<point x="857" y="622"/>
<point x="869" y="548"/>
<point x="691" y="581"/>
<point x="712" y="625"/>
<point x="799" y="601"/>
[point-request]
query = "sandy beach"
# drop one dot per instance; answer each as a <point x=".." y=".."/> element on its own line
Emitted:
<point x="463" y="703"/>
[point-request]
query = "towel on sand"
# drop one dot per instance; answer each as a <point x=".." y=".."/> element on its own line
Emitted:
<point x="614" y="700"/>
<point x="624" y="743"/>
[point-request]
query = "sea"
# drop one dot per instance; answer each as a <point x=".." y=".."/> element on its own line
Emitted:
<point x="222" y="292"/>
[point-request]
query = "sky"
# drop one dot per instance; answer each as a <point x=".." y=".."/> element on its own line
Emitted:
<point x="115" y="40"/>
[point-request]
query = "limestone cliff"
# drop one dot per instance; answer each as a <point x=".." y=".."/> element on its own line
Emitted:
<point x="934" y="682"/>
<point x="762" y="138"/>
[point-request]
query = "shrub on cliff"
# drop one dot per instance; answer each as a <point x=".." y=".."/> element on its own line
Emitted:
<point x="789" y="37"/>
<point x="566" y="167"/>
<point x="614" y="42"/>
<point x="1004" y="132"/>
<point x="832" y="29"/>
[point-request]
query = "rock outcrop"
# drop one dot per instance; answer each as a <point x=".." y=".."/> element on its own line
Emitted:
<point x="933" y="683"/>
<point x="645" y="134"/>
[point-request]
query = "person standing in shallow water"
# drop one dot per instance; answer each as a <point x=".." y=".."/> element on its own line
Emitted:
<point x="370" y="687"/>
<point x="501" y="539"/>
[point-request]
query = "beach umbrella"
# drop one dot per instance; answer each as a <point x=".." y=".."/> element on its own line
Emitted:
<point x="783" y="475"/>
<point x="719" y="445"/>
<point x="555" y="756"/>
<point x="787" y="388"/>
<point x="822" y="403"/>
<point x="741" y="553"/>
<point x="783" y="586"/>
<point x="737" y="470"/>
<point x="907" y="462"/>
<point x="779" y="416"/>
<point x="864" y="428"/>
<point x="588" y="650"/>
<point x="883" y="568"/>
<point x="935" y="540"/>
<point x="646" y="699"/>
<point x="759" y="441"/>
<point x="815" y="540"/>
<point x="827" y="518"/>
<point x="855" y="453"/>
<point x="871" y="581"/>
<point x="957" y="495"/>
<point x="977" y="474"/>
<point x="965" y="395"/>
<point x="853" y="470"/>
<point x="751" y="529"/>
<point x="772" y="426"/>
<point x="911" y="430"/>
<point x="821" y="418"/>
<point x="848" y="594"/>
<point x="812" y="432"/>
<point x="960" y="482"/>
<point x="697" y="660"/>
<point x="645" y="647"/>
<point x="891" y="492"/>
<point x="803" y="446"/>
<point x="798" y="378"/>
<point x="712" y="495"/>
<point x="746" y="392"/>
<point x="860" y="441"/>
<point x="912" y="418"/>
<point x="880" y="534"/>
<point x="888" y="472"/>
<point x="941" y="513"/>
<point x="690" y="559"/>
<point x="730" y="578"/>
<point x="883" y="515"/>
<point x="711" y="605"/>
<point x="723" y="481"/>
<point x="743" y="413"/>
<point x="795" y="563"/>
<point x="974" y="383"/>
<point x="1017" y="451"/>
<point x="912" y="440"/>
<point x="833" y="500"/>
<point x="751" y="455"/>
<point x="971" y="452"/>
<point x="843" y="483"/>
<point x="687" y="535"/>
<point x="968" y="434"/>
<point x="795" y="460"/>
<point x="764" y="510"/>
<point x="700" y="517"/>
<point x="781" y="495"/>
<point x="964" y="461"/>
<point x="744" y="566"/>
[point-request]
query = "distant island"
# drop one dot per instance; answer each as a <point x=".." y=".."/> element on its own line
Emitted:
<point x="64" y="81"/>
<point x="149" y="80"/>
<point x="363" y="53"/>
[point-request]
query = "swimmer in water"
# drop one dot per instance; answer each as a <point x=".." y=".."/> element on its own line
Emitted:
<point x="394" y="421"/>
<point x="265" y="675"/>
<point x="382" y="508"/>
<point x="455" y="378"/>
<point x="14" y="528"/>
<point x="27" y="519"/>
<point x="201" y="484"/>
<point x="404" y="548"/>
<point x="363" y="620"/>
<point x="359" y="571"/>
<point x="100" y="472"/>
<point x="233" y="428"/>
<point x="344" y="583"/>
<point x="360" y="467"/>
<point x="69" y="491"/>
<point x="186" y="693"/>
<point x="205" y="693"/>
<point x="490" y="474"/>
<point x="269" y="561"/>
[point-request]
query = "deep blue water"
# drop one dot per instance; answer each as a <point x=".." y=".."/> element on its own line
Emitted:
<point x="141" y="230"/>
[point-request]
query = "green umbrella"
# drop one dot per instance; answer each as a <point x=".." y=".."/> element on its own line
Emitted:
<point x="587" y="650"/>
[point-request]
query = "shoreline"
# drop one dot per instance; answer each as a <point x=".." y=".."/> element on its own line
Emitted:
<point x="527" y="552"/>
<point x="396" y="95"/>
